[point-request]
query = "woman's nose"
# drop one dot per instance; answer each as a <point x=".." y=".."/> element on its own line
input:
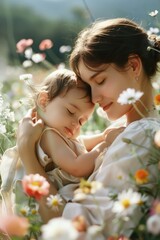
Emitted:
<point x="96" y="98"/>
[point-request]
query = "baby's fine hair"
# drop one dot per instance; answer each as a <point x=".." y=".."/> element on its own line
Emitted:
<point x="113" y="41"/>
<point x="60" y="82"/>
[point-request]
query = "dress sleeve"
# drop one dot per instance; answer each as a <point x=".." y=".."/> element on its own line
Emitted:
<point x="113" y="169"/>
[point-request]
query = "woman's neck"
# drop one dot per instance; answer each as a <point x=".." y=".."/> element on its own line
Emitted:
<point x="144" y="107"/>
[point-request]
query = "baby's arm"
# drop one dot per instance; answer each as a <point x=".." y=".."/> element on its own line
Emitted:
<point x="108" y="135"/>
<point x="79" y="166"/>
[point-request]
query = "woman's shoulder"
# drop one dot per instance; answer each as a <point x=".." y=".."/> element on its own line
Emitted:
<point x="143" y="124"/>
<point x="140" y="131"/>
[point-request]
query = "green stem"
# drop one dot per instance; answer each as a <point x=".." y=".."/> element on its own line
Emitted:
<point x="137" y="110"/>
<point x="147" y="110"/>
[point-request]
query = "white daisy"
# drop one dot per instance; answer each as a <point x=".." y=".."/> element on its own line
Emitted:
<point x="129" y="96"/>
<point x="126" y="203"/>
<point x="24" y="210"/>
<point x="59" y="229"/>
<point x="54" y="202"/>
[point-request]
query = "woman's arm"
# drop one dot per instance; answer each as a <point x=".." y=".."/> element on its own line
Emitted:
<point x="27" y="136"/>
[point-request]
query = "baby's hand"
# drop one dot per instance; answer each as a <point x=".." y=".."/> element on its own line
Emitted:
<point x="112" y="133"/>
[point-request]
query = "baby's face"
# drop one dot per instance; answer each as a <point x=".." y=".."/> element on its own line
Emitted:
<point x="67" y="113"/>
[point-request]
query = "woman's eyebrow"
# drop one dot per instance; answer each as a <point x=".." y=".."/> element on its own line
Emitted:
<point x="94" y="75"/>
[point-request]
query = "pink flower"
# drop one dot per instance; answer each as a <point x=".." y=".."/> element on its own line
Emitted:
<point x="155" y="208"/>
<point x="14" y="225"/>
<point x="23" y="44"/>
<point x="45" y="44"/>
<point x="35" y="186"/>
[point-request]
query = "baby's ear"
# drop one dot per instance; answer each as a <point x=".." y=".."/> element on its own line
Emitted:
<point x="42" y="100"/>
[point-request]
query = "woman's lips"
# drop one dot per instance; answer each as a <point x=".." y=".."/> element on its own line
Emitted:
<point x="105" y="108"/>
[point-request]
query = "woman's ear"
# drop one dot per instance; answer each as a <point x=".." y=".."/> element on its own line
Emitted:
<point x="42" y="100"/>
<point x="135" y="63"/>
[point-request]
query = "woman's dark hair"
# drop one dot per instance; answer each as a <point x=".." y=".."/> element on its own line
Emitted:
<point x="113" y="41"/>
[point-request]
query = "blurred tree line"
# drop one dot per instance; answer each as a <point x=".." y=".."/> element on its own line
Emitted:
<point x="18" y="22"/>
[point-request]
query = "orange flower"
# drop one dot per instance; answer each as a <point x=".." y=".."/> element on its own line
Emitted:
<point x="141" y="176"/>
<point x="35" y="186"/>
<point x="14" y="225"/>
<point x="157" y="99"/>
<point x="45" y="44"/>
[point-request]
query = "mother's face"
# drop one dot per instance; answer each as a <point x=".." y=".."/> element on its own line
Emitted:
<point x="107" y="82"/>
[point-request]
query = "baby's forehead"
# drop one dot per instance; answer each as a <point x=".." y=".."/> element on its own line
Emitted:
<point x="80" y="92"/>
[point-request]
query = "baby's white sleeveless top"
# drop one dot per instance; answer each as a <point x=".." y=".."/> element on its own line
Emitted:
<point x="57" y="175"/>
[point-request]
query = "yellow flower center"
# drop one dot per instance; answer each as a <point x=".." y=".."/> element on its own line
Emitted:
<point x="55" y="202"/>
<point x="85" y="186"/>
<point x="36" y="183"/>
<point x="126" y="203"/>
<point x="23" y="212"/>
<point x="34" y="211"/>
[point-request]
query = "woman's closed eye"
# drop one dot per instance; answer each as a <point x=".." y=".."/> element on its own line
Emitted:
<point x="100" y="82"/>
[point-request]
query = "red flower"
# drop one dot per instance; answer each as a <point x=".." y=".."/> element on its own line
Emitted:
<point x="35" y="186"/>
<point x="45" y="44"/>
<point x="23" y="44"/>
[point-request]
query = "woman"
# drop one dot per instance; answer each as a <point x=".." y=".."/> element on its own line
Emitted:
<point x="111" y="56"/>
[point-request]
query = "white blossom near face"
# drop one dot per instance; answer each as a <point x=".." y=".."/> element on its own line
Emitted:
<point x="129" y="96"/>
<point x="59" y="229"/>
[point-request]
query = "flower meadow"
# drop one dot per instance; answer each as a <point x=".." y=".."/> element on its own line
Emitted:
<point x="23" y="221"/>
